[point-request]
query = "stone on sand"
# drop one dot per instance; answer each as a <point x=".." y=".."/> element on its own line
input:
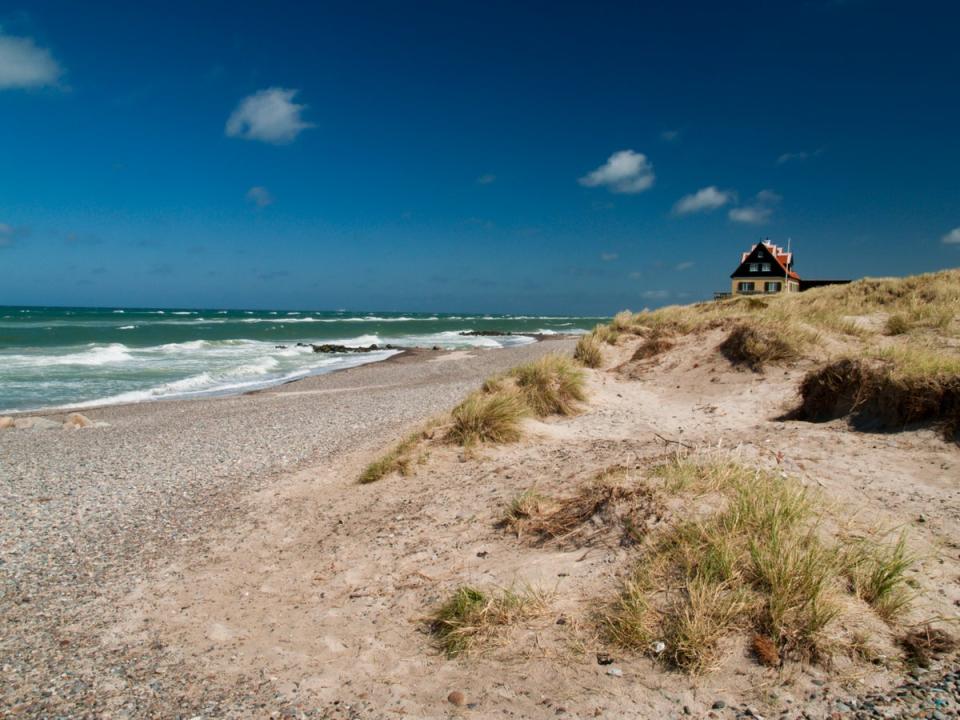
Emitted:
<point x="6" y="422"/>
<point x="77" y="421"/>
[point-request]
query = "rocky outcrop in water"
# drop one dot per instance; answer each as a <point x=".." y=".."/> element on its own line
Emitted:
<point x="328" y="348"/>
<point x="485" y="333"/>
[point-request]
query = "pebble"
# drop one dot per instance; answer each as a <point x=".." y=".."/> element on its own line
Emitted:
<point x="457" y="698"/>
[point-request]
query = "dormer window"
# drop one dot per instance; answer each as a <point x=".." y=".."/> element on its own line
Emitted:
<point x="754" y="267"/>
<point x="766" y="267"/>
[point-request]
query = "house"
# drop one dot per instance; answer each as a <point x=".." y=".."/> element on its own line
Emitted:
<point x="764" y="270"/>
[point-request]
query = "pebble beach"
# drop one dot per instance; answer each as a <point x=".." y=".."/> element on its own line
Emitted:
<point x="88" y="512"/>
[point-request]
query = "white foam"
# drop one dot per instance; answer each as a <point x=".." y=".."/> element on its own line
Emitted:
<point x="96" y="355"/>
<point x="127" y="327"/>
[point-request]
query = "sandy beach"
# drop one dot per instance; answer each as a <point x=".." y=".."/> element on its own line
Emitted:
<point x="86" y="514"/>
<point x="217" y="558"/>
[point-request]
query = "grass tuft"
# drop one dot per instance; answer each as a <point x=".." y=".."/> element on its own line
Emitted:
<point x="757" y="344"/>
<point x="400" y="458"/>
<point x="878" y="576"/>
<point x="623" y="322"/>
<point x="472" y="616"/>
<point x="656" y="343"/>
<point x="487" y="417"/>
<point x="897" y="325"/>
<point x="587" y="351"/>
<point x="758" y="563"/>
<point x="552" y="385"/>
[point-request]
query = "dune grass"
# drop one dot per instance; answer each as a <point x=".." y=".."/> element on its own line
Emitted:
<point x="401" y="458"/>
<point x="757" y="344"/>
<point x="761" y="565"/>
<point x="552" y="385"/>
<point x="487" y="417"/>
<point x="878" y="576"/>
<point x="886" y="390"/>
<point x="587" y="351"/>
<point x="472" y="616"/>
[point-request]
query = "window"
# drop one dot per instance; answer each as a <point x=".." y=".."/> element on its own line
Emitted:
<point x="772" y="287"/>
<point x="754" y="267"/>
<point x="766" y="267"/>
<point x="745" y="287"/>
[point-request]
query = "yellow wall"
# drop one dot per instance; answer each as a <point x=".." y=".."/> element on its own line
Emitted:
<point x="760" y="282"/>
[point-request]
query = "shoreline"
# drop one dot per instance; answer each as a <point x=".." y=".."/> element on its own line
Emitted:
<point x="405" y="355"/>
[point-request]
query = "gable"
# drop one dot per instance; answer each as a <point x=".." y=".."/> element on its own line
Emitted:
<point x="762" y="254"/>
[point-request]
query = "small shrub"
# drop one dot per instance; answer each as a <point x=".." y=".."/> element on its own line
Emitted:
<point x="471" y="616"/>
<point x="587" y="352"/>
<point x="551" y="385"/>
<point x="605" y="334"/>
<point x="487" y="417"/>
<point x="757" y="345"/>
<point x="897" y="325"/>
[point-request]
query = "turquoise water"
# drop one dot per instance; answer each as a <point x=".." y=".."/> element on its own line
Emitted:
<point x="53" y="357"/>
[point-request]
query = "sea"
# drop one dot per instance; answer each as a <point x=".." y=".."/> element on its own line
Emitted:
<point x="84" y="357"/>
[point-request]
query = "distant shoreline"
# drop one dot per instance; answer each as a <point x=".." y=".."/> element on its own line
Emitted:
<point x="408" y="355"/>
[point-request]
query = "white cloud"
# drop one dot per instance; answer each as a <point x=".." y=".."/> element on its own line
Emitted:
<point x="486" y="179"/>
<point x="703" y="200"/>
<point x="670" y="135"/>
<point x="24" y="65"/>
<point x="259" y="196"/>
<point x="609" y="256"/>
<point x="760" y="211"/>
<point x="625" y="171"/>
<point x="269" y="116"/>
<point x="952" y="237"/>
<point x="686" y="265"/>
<point x="788" y="157"/>
<point x="655" y="294"/>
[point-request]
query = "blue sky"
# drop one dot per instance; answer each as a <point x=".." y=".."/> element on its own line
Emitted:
<point x="496" y="156"/>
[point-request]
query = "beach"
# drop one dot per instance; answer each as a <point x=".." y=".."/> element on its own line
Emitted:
<point x="89" y="512"/>
<point x="220" y="558"/>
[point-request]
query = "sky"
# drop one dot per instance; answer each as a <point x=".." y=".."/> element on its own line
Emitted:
<point x="515" y="156"/>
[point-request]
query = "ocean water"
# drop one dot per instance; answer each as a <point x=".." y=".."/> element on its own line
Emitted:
<point x="82" y="357"/>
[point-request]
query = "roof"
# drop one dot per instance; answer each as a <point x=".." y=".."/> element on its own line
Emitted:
<point x="784" y="259"/>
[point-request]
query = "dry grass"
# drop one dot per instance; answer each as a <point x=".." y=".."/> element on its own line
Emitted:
<point x="587" y="351"/>
<point x="552" y="385"/>
<point x="756" y="344"/>
<point x="923" y="644"/>
<point x="896" y="389"/>
<point x="656" y="343"/>
<point x="878" y="576"/>
<point x="471" y="616"/>
<point x="760" y="565"/>
<point x="611" y="500"/>
<point x="623" y="322"/>
<point x="487" y="417"/>
<point x="401" y="458"/>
